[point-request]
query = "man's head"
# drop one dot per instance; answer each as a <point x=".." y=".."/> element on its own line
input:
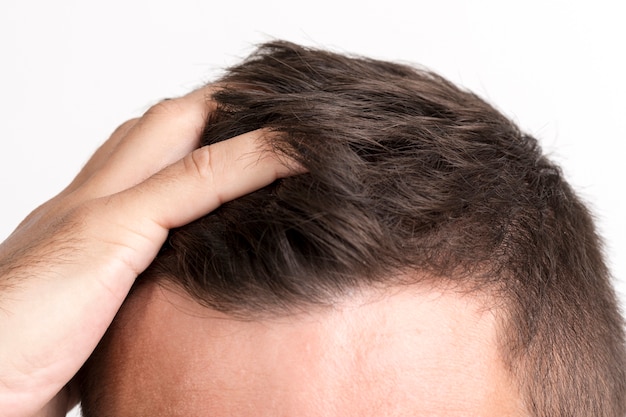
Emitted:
<point x="430" y="257"/>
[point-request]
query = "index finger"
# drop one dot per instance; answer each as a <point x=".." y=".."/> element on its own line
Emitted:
<point x="209" y="176"/>
<point x="189" y="189"/>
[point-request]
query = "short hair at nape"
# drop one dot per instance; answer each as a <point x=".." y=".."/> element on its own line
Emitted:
<point x="407" y="176"/>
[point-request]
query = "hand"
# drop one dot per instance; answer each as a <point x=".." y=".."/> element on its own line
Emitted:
<point x="67" y="268"/>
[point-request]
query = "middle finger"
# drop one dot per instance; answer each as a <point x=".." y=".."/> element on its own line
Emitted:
<point x="164" y="134"/>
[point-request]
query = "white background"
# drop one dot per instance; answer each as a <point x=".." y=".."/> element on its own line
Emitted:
<point x="71" y="71"/>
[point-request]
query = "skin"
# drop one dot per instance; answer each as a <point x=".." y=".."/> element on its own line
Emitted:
<point x="67" y="268"/>
<point x="400" y="352"/>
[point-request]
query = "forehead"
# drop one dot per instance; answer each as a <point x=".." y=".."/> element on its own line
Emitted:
<point x="409" y="352"/>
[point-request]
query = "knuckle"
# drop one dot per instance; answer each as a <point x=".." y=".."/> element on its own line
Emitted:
<point x="200" y="163"/>
<point x="167" y="108"/>
<point x="124" y="127"/>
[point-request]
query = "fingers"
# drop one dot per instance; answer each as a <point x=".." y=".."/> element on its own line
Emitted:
<point x="204" y="179"/>
<point x="100" y="156"/>
<point x="166" y="133"/>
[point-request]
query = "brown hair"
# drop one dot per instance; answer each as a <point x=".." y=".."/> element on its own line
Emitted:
<point x="407" y="172"/>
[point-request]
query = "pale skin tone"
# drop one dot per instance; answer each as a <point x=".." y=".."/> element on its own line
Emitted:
<point x="414" y="351"/>
<point x="69" y="265"/>
<point x="67" y="269"/>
